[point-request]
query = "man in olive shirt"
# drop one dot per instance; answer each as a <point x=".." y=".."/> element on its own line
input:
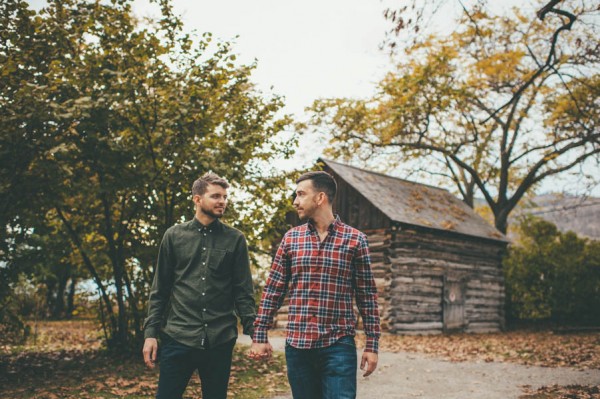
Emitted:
<point x="202" y="281"/>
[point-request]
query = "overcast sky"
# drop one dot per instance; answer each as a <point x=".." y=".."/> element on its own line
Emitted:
<point x="305" y="49"/>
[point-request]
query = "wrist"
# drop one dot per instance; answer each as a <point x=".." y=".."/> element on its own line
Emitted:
<point x="260" y="336"/>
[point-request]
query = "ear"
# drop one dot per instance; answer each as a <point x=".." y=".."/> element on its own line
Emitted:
<point x="321" y="198"/>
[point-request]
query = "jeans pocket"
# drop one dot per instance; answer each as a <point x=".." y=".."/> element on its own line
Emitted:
<point x="347" y="340"/>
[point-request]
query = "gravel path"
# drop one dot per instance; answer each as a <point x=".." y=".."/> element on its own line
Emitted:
<point x="412" y="375"/>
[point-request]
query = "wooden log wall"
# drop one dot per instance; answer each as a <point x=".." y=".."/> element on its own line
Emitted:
<point x="419" y="262"/>
<point x="379" y="244"/>
<point x="409" y="268"/>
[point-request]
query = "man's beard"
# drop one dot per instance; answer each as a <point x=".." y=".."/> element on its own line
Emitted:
<point x="209" y="212"/>
<point x="308" y="213"/>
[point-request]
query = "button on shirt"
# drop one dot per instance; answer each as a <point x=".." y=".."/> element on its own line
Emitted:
<point x="323" y="278"/>
<point x="202" y="281"/>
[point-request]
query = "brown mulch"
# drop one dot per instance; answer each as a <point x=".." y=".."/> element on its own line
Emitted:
<point x="66" y="360"/>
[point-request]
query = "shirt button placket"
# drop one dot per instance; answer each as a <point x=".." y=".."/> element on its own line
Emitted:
<point x="203" y="276"/>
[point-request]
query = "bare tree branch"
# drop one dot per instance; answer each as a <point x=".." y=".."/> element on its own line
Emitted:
<point x="551" y="54"/>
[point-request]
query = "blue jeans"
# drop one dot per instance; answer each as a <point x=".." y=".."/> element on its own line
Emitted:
<point x="178" y="362"/>
<point x="324" y="373"/>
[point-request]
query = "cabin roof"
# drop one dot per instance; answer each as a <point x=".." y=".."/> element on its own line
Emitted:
<point x="412" y="203"/>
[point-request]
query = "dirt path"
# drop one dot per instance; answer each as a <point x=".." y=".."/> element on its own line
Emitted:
<point x="412" y="375"/>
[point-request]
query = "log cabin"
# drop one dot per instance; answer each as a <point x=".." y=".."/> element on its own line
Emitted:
<point x="436" y="262"/>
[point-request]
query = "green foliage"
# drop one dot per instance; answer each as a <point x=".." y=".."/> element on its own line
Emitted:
<point x="553" y="275"/>
<point x="106" y="124"/>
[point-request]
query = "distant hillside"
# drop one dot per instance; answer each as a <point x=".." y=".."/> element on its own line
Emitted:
<point x="578" y="214"/>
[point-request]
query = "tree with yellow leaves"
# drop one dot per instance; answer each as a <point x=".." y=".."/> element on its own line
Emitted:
<point x="496" y="107"/>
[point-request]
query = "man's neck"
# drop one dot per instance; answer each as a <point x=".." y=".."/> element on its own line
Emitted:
<point x="323" y="220"/>
<point x="204" y="218"/>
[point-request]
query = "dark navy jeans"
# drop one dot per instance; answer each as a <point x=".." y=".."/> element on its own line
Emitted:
<point x="324" y="373"/>
<point x="178" y="361"/>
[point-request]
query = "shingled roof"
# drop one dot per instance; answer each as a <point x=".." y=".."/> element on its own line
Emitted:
<point x="416" y="204"/>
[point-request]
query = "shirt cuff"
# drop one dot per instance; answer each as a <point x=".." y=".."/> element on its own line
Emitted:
<point x="372" y="345"/>
<point x="260" y="336"/>
<point x="249" y="328"/>
<point x="151" y="332"/>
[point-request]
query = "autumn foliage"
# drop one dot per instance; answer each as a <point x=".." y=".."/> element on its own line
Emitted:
<point x="493" y="109"/>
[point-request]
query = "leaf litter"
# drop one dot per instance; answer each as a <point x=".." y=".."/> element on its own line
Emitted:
<point x="66" y="360"/>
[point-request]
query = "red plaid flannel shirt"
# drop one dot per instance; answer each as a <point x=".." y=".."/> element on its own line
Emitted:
<point x="322" y="277"/>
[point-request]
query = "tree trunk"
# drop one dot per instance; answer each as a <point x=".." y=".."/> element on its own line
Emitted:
<point x="133" y="308"/>
<point x="90" y="266"/>
<point x="501" y="221"/>
<point x="121" y="337"/>
<point x="470" y="194"/>
<point x="71" y="298"/>
<point x="58" y="303"/>
<point x="51" y="288"/>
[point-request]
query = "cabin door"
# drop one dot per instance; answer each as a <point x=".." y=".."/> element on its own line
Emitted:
<point x="454" y="303"/>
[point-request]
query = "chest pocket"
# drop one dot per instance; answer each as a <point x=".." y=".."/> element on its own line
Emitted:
<point x="219" y="262"/>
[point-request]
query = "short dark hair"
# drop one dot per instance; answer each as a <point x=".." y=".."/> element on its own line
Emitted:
<point x="321" y="181"/>
<point x="200" y="185"/>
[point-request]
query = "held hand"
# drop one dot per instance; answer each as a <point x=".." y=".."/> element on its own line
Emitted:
<point x="260" y="351"/>
<point x="150" y="350"/>
<point x="370" y="360"/>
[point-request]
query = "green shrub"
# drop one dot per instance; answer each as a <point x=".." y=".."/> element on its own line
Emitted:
<point x="552" y="275"/>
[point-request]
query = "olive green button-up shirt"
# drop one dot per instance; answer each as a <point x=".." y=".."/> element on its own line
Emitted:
<point x="202" y="281"/>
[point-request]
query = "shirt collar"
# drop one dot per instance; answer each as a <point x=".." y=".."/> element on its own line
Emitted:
<point x="216" y="224"/>
<point x="332" y="227"/>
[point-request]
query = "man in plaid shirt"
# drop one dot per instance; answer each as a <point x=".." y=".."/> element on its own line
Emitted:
<point x="325" y="263"/>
